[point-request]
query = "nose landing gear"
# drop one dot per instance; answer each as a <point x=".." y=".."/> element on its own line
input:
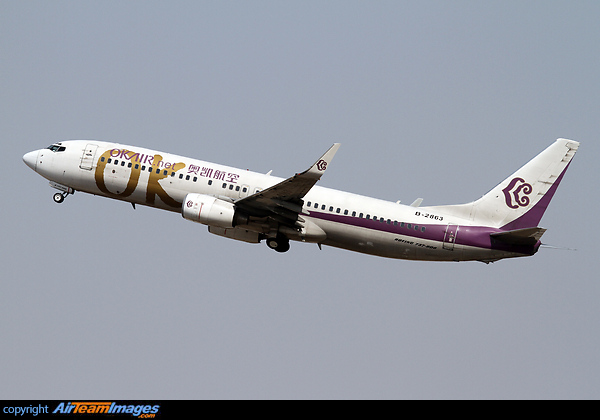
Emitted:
<point x="59" y="197"/>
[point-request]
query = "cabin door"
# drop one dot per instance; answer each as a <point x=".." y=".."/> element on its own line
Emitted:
<point x="87" y="160"/>
<point x="450" y="237"/>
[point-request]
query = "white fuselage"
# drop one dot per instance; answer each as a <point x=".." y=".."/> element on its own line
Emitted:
<point x="350" y="221"/>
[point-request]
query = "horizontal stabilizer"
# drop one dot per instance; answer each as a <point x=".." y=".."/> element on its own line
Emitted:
<point x="529" y="236"/>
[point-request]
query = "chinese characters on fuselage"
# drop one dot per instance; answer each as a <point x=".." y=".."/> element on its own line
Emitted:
<point x="212" y="173"/>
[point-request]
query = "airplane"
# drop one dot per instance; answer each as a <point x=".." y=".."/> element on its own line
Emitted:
<point x="254" y="207"/>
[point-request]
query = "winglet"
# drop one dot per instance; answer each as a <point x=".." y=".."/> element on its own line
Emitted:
<point x="321" y="165"/>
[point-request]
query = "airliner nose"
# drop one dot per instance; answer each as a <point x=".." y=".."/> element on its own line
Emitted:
<point x="30" y="159"/>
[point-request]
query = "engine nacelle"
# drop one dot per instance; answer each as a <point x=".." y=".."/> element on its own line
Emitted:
<point x="211" y="211"/>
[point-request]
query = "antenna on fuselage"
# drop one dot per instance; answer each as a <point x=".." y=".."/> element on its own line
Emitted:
<point x="417" y="202"/>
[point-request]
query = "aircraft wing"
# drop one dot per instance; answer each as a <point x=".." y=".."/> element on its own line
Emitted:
<point x="283" y="202"/>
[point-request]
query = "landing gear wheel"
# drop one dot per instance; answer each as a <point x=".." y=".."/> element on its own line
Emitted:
<point x="58" y="198"/>
<point x="279" y="243"/>
<point x="283" y="247"/>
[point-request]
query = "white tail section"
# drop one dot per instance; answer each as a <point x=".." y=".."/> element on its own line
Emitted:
<point x="520" y="200"/>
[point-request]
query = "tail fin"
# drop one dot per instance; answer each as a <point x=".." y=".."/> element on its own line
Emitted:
<point x="520" y="201"/>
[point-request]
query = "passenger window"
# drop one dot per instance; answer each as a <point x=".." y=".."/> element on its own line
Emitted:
<point x="150" y="169"/>
<point x="346" y="212"/>
<point x="231" y="187"/>
<point x="360" y="216"/>
<point x="308" y="204"/>
<point x="187" y="177"/>
<point x="395" y="223"/>
<point x="224" y="185"/>
<point x="157" y="171"/>
<point x="195" y="178"/>
<point x="368" y="217"/>
<point x="129" y="165"/>
<point x="165" y="173"/>
<point x="243" y="189"/>
<point x="123" y="163"/>
<point x="323" y="207"/>
<point x="116" y="162"/>
<point x="338" y="210"/>
<point x="180" y="176"/>
<point x="423" y="229"/>
<point x="102" y="159"/>
<point x="389" y="222"/>
<point x="172" y="174"/>
<point x="109" y="160"/>
<point x="316" y="205"/>
<point x="408" y="225"/>
<point x="210" y="182"/>
<point x="353" y="214"/>
<point x="237" y="188"/>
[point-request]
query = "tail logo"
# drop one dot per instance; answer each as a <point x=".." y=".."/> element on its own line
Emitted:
<point x="516" y="193"/>
<point x="321" y="165"/>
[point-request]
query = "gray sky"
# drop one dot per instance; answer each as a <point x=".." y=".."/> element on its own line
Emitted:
<point x="432" y="99"/>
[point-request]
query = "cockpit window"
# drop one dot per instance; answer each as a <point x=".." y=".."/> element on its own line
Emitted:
<point x="57" y="148"/>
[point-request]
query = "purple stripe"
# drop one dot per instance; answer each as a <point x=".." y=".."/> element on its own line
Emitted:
<point x="432" y="232"/>
<point x="534" y="215"/>
<point x="475" y="236"/>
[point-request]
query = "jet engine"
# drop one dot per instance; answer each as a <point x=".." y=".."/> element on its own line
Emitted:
<point x="212" y="211"/>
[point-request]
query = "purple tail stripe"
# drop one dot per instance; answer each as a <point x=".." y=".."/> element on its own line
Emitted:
<point x="532" y="217"/>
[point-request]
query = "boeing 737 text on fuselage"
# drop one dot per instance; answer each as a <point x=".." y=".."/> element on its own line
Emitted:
<point x="254" y="207"/>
